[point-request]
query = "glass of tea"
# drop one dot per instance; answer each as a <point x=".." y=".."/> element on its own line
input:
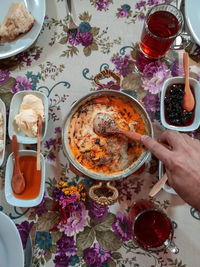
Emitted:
<point x="152" y="228"/>
<point x="163" y="23"/>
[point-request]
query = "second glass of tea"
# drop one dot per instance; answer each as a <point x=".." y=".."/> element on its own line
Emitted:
<point x="152" y="228"/>
<point x="162" y="25"/>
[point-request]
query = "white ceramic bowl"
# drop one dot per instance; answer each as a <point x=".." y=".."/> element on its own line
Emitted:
<point x="3" y="110"/>
<point x="10" y="198"/>
<point x="167" y="188"/>
<point x="14" y="110"/>
<point x="196" y="86"/>
<point x="11" y="249"/>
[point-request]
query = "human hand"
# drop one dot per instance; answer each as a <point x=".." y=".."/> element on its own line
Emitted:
<point x="182" y="163"/>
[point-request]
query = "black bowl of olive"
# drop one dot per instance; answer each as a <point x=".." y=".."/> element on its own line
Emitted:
<point x="173" y="115"/>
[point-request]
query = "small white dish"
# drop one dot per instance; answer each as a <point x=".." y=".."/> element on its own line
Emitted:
<point x="14" y="110"/>
<point x="10" y="198"/>
<point x="192" y="16"/>
<point x="166" y="187"/>
<point x="196" y="86"/>
<point x="3" y="110"/>
<point x="11" y="249"/>
<point x="38" y="10"/>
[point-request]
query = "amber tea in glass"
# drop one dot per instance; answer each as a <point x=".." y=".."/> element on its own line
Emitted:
<point x="152" y="228"/>
<point x="162" y="25"/>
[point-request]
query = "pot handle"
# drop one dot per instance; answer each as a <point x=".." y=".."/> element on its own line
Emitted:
<point x="103" y="200"/>
<point x="107" y="74"/>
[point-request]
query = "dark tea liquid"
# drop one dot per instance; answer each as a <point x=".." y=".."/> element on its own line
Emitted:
<point x="160" y="24"/>
<point x="152" y="228"/>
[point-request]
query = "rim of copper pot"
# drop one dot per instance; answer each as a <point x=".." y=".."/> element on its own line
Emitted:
<point x="100" y="176"/>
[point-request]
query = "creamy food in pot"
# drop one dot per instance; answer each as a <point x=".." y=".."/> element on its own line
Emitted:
<point x="106" y="154"/>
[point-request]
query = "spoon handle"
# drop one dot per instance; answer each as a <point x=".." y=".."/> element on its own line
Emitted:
<point x="157" y="187"/>
<point x="15" y="149"/>
<point x="131" y="135"/>
<point x="38" y="143"/>
<point x="186" y="67"/>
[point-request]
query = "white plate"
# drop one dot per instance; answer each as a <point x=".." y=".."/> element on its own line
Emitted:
<point x="14" y="110"/>
<point x="10" y="198"/>
<point x="3" y="110"/>
<point x="192" y="15"/>
<point x="37" y="8"/>
<point x="11" y="250"/>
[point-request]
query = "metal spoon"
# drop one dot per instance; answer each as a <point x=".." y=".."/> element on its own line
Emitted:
<point x="104" y="125"/>
<point x="188" y="101"/>
<point x="18" y="181"/>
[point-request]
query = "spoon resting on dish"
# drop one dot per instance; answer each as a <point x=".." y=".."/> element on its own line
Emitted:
<point x="18" y="181"/>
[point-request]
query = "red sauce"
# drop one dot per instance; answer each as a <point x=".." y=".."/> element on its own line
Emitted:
<point x="32" y="177"/>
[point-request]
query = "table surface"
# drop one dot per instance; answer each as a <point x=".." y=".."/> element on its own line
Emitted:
<point x="64" y="70"/>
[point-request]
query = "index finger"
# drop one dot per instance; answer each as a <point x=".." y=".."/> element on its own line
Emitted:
<point x="159" y="150"/>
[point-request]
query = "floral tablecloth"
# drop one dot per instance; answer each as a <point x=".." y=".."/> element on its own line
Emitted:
<point x="64" y="68"/>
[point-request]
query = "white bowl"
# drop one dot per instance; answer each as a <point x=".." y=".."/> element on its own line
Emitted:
<point x="14" y="110"/>
<point x="196" y="86"/>
<point x="3" y="110"/>
<point x="10" y="198"/>
<point x="11" y="249"/>
<point x="167" y="188"/>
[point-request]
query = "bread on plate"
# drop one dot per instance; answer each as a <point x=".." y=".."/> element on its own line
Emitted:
<point x="17" y="21"/>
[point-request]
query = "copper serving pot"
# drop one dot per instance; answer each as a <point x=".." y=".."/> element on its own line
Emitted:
<point x="104" y="179"/>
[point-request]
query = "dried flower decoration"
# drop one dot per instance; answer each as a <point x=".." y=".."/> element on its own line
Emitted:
<point x="66" y="200"/>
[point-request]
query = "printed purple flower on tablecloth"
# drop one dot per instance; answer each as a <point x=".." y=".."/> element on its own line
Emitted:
<point x="49" y="143"/>
<point x="154" y="75"/>
<point x="61" y="260"/>
<point x="152" y="104"/>
<point x="86" y="38"/>
<point x="22" y="83"/>
<point x="156" y="2"/>
<point x="74" y="40"/>
<point x="57" y="130"/>
<point x="102" y="255"/>
<point x="123" y="65"/>
<point x="41" y="208"/>
<point x="66" y="245"/>
<point x="96" y="255"/>
<point x="122" y="227"/>
<point x="76" y="222"/>
<point x="24" y="229"/>
<point x="97" y="212"/>
<point x="124" y="11"/>
<point x="4" y="76"/>
<point x="177" y="69"/>
<point x="103" y="4"/>
<point x="140" y="4"/>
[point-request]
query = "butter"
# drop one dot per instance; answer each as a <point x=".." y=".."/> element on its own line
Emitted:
<point x="31" y="107"/>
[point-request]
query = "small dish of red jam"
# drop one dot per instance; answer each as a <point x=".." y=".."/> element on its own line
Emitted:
<point x="172" y="114"/>
<point x="175" y="114"/>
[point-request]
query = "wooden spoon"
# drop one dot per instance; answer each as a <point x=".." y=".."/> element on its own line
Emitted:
<point x="104" y="125"/>
<point x="18" y="181"/>
<point x="38" y="142"/>
<point x="188" y="102"/>
<point x="157" y="187"/>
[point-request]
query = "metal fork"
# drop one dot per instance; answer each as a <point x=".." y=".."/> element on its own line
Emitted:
<point x="72" y="27"/>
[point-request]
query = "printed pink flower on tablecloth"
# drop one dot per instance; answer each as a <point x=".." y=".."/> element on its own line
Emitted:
<point x="22" y="83"/>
